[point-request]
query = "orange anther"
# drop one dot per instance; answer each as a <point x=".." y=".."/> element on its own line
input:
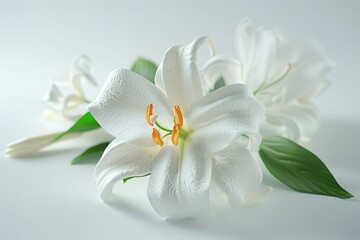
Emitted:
<point x="156" y="137"/>
<point x="178" y="115"/>
<point x="175" y="134"/>
<point x="149" y="113"/>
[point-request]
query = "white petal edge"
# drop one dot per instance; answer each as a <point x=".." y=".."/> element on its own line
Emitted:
<point x="53" y="95"/>
<point x="221" y="66"/>
<point x="82" y="66"/>
<point x="321" y="87"/>
<point x="179" y="76"/>
<point x="120" y="108"/>
<point x="256" y="48"/>
<point x="224" y="115"/>
<point x="236" y="171"/>
<point x="309" y="65"/>
<point x="253" y="197"/>
<point x="295" y="120"/>
<point x="121" y="160"/>
<point x="73" y="107"/>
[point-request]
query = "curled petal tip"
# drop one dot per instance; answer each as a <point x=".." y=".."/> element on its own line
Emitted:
<point x="256" y="196"/>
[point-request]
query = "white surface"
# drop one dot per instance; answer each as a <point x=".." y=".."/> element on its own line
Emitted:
<point x="45" y="197"/>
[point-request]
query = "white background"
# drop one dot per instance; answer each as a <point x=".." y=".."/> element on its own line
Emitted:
<point x="45" y="197"/>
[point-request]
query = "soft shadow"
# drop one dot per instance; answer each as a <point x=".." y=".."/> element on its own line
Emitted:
<point x="131" y="209"/>
<point x="338" y="141"/>
<point x="223" y="225"/>
<point x="231" y="224"/>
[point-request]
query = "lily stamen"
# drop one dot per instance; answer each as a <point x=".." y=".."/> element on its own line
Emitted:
<point x="149" y="113"/>
<point x="175" y="134"/>
<point x="156" y="137"/>
<point x="178" y="115"/>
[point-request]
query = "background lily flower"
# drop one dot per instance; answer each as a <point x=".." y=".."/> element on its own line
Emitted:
<point x="188" y="142"/>
<point x="285" y="77"/>
<point x="65" y="99"/>
<point x="68" y="98"/>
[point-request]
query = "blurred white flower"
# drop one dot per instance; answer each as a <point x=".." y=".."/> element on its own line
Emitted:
<point x="187" y="141"/>
<point x="285" y="76"/>
<point x="67" y="98"/>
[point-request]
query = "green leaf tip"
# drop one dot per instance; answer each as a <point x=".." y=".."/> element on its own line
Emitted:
<point x="128" y="178"/>
<point x="93" y="153"/>
<point x="299" y="168"/>
<point x="86" y="123"/>
<point x="218" y="84"/>
<point x="145" y="68"/>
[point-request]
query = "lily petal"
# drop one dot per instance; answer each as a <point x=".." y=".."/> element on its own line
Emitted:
<point x="195" y="177"/>
<point x="53" y="95"/>
<point x="223" y="115"/>
<point x="235" y="171"/>
<point x="256" y="196"/>
<point x="73" y="107"/>
<point x="82" y="68"/>
<point x="316" y="91"/>
<point x="294" y="120"/>
<point x="121" y="160"/>
<point x="121" y="106"/>
<point x="163" y="190"/>
<point x="32" y="145"/>
<point x="179" y="76"/>
<point x="62" y="98"/>
<point x="309" y="66"/>
<point x="228" y="68"/>
<point x="256" y="49"/>
<point x="180" y="188"/>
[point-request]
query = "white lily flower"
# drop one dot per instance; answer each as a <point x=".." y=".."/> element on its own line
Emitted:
<point x="68" y="98"/>
<point x="186" y="140"/>
<point x="285" y="76"/>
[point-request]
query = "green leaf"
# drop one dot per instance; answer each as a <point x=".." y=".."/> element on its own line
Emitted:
<point x="128" y="178"/>
<point x="145" y="68"/>
<point x="86" y="123"/>
<point x="218" y="84"/>
<point x="298" y="168"/>
<point x="91" y="154"/>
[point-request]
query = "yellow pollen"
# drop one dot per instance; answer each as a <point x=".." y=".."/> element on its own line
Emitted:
<point x="178" y="115"/>
<point x="148" y="114"/>
<point x="156" y="137"/>
<point x="175" y="134"/>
